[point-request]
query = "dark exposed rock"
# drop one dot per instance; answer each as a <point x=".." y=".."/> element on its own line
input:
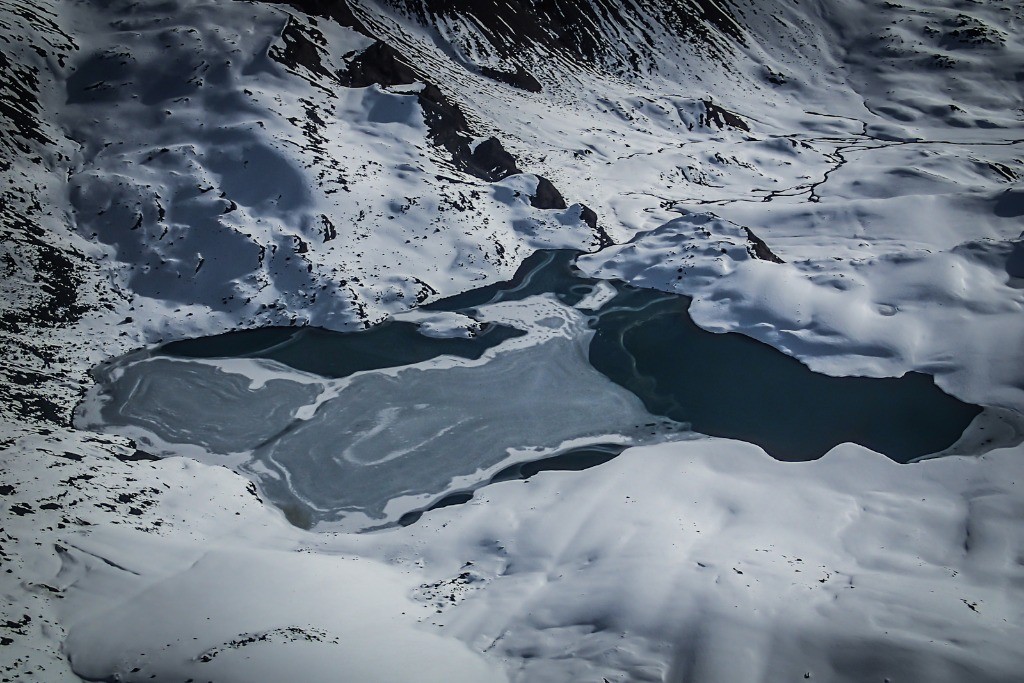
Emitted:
<point x="138" y="456"/>
<point x="520" y="78"/>
<point x="446" y="122"/>
<point x="424" y="292"/>
<point x="58" y="280"/>
<point x="330" y="232"/>
<point x="50" y="299"/>
<point x="591" y="33"/>
<point x="774" y="77"/>
<point x="251" y="489"/>
<point x="547" y="196"/>
<point x="337" y="10"/>
<point x="970" y="31"/>
<point x="381" y="64"/>
<point x="589" y="216"/>
<point x="19" y="391"/>
<point x="757" y="248"/>
<point x="721" y="118"/>
<point x="449" y="129"/>
<point x="490" y="161"/>
<point x="22" y="509"/>
<point x="300" y="48"/>
<point x="19" y="105"/>
<point x="1004" y="171"/>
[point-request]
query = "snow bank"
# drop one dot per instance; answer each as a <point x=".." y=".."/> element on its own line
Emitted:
<point x="703" y="560"/>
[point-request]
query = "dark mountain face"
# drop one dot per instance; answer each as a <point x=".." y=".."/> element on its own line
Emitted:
<point x="599" y="31"/>
<point x="516" y="35"/>
<point x="620" y="37"/>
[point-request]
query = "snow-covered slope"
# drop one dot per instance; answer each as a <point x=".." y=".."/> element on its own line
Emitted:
<point x="839" y="179"/>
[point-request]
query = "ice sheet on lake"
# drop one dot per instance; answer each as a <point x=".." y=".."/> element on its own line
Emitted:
<point x="374" y="445"/>
<point x="202" y="404"/>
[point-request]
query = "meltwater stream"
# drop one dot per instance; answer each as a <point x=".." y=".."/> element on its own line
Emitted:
<point x="356" y="430"/>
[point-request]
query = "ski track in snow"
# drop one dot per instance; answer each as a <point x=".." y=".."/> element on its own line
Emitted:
<point x="842" y="181"/>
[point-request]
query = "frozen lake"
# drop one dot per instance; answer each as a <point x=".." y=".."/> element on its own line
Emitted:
<point x="366" y="428"/>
